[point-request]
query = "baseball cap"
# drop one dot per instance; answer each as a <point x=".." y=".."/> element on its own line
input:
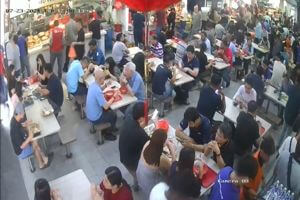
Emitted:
<point x="19" y="109"/>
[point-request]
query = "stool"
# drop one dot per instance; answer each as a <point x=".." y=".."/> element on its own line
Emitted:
<point x="239" y="71"/>
<point x="81" y="101"/>
<point x="31" y="164"/>
<point x="161" y="103"/>
<point x="99" y="128"/>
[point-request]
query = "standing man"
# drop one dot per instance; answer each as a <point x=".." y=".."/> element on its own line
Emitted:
<point x="138" y="27"/>
<point x="23" y="54"/>
<point x="57" y="47"/>
<point x="13" y="55"/>
<point x="132" y="140"/>
<point x="71" y="36"/>
<point x="95" y="28"/>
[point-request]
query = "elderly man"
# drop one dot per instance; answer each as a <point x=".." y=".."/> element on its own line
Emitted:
<point x="22" y="139"/>
<point x="133" y="81"/>
<point x="54" y="90"/>
<point x="97" y="108"/>
<point x="75" y="73"/>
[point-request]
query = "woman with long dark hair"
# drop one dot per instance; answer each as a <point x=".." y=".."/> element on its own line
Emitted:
<point x="185" y="162"/>
<point x="113" y="186"/>
<point x="153" y="161"/>
<point x="42" y="191"/>
<point x="41" y="63"/>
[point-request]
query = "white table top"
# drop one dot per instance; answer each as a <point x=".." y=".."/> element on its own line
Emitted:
<point x="48" y="125"/>
<point x="133" y="51"/>
<point x="220" y="65"/>
<point x="199" y="156"/>
<point x="73" y="186"/>
<point x="232" y="112"/>
<point x="255" y="46"/>
<point x="269" y="93"/>
<point x="184" y="77"/>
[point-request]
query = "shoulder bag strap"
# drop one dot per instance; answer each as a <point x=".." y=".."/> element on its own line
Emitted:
<point x="290" y="147"/>
<point x="289" y="172"/>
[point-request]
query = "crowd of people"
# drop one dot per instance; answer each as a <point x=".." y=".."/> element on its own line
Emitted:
<point x="237" y="149"/>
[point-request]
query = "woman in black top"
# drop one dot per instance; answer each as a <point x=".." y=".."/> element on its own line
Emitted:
<point x="40" y="61"/>
<point x="43" y="191"/>
<point x="79" y="45"/>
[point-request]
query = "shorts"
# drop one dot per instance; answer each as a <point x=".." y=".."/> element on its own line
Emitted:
<point x="28" y="151"/>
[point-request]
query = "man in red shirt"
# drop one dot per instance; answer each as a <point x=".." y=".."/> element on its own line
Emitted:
<point x="56" y="47"/>
<point x="226" y="54"/>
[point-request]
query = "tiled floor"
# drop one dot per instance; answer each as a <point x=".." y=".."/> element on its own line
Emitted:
<point x="87" y="155"/>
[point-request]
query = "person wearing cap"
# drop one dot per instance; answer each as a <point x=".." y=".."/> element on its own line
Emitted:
<point x="22" y="139"/>
<point x="75" y="73"/>
<point x="262" y="156"/>
<point x="53" y="90"/>
<point x="199" y="125"/>
<point x="97" y="108"/>
<point x="133" y="81"/>
<point x="95" y="53"/>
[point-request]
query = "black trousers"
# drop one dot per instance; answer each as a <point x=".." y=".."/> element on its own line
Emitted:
<point x="66" y="65"/>
<point x="138" y="36"/>
<point x="182" y="92"/>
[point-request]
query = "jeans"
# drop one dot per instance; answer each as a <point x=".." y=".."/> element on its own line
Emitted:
<point x="169" y="92"/>
<point x="182" y="92"/>
<point x="286" y="131"/>
<point x="107" y="117"/>
<point x="25" y="65"/>
<point x="59" y="57"/>
<point x="66" y="65"/>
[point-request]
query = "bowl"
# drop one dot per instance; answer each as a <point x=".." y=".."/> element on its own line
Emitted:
<point x="163" y="124"/>
<point x="109" y="94"/>
<point x="123" y="90"/>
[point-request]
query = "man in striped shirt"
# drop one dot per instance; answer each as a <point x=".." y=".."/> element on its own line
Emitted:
<point x="181" y="48"/>
<point x="156" y="48"/>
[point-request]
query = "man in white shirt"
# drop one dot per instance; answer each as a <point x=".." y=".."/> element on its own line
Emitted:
<point x="279" y="70"/>
<point x="245" y="94"/>
<point x="181" y="48"/>
<point x="206" y="41"/>
<point x="119" y="50"/>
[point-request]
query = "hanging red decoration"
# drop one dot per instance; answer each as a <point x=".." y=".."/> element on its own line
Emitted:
<point x="148" y="5"/>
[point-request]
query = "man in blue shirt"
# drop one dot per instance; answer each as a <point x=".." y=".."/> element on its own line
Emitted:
<point x="75" y="73"/>
<point x="189" y="65"/>
<point x="211" y="98"/>
<point x="199" y="125"/>
<point x="133" y="81"/>
<point x="54" y="90"/>
<point x="163" y="77"/>
<point x="23" y="54"/>
<point x="95" y="53"/>
<point x="229" y="181"/>
<point x="97" y="108"/>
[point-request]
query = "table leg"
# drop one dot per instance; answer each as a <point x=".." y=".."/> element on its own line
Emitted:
<point x="268" y="105"/>
<point x="68" y="151"/>
<point x="45" y="146"/>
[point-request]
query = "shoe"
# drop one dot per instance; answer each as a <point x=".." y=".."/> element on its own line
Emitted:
<point x="136" y="187"/>
<point x="50" y="158"/>
<point x="110" y="137"/>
